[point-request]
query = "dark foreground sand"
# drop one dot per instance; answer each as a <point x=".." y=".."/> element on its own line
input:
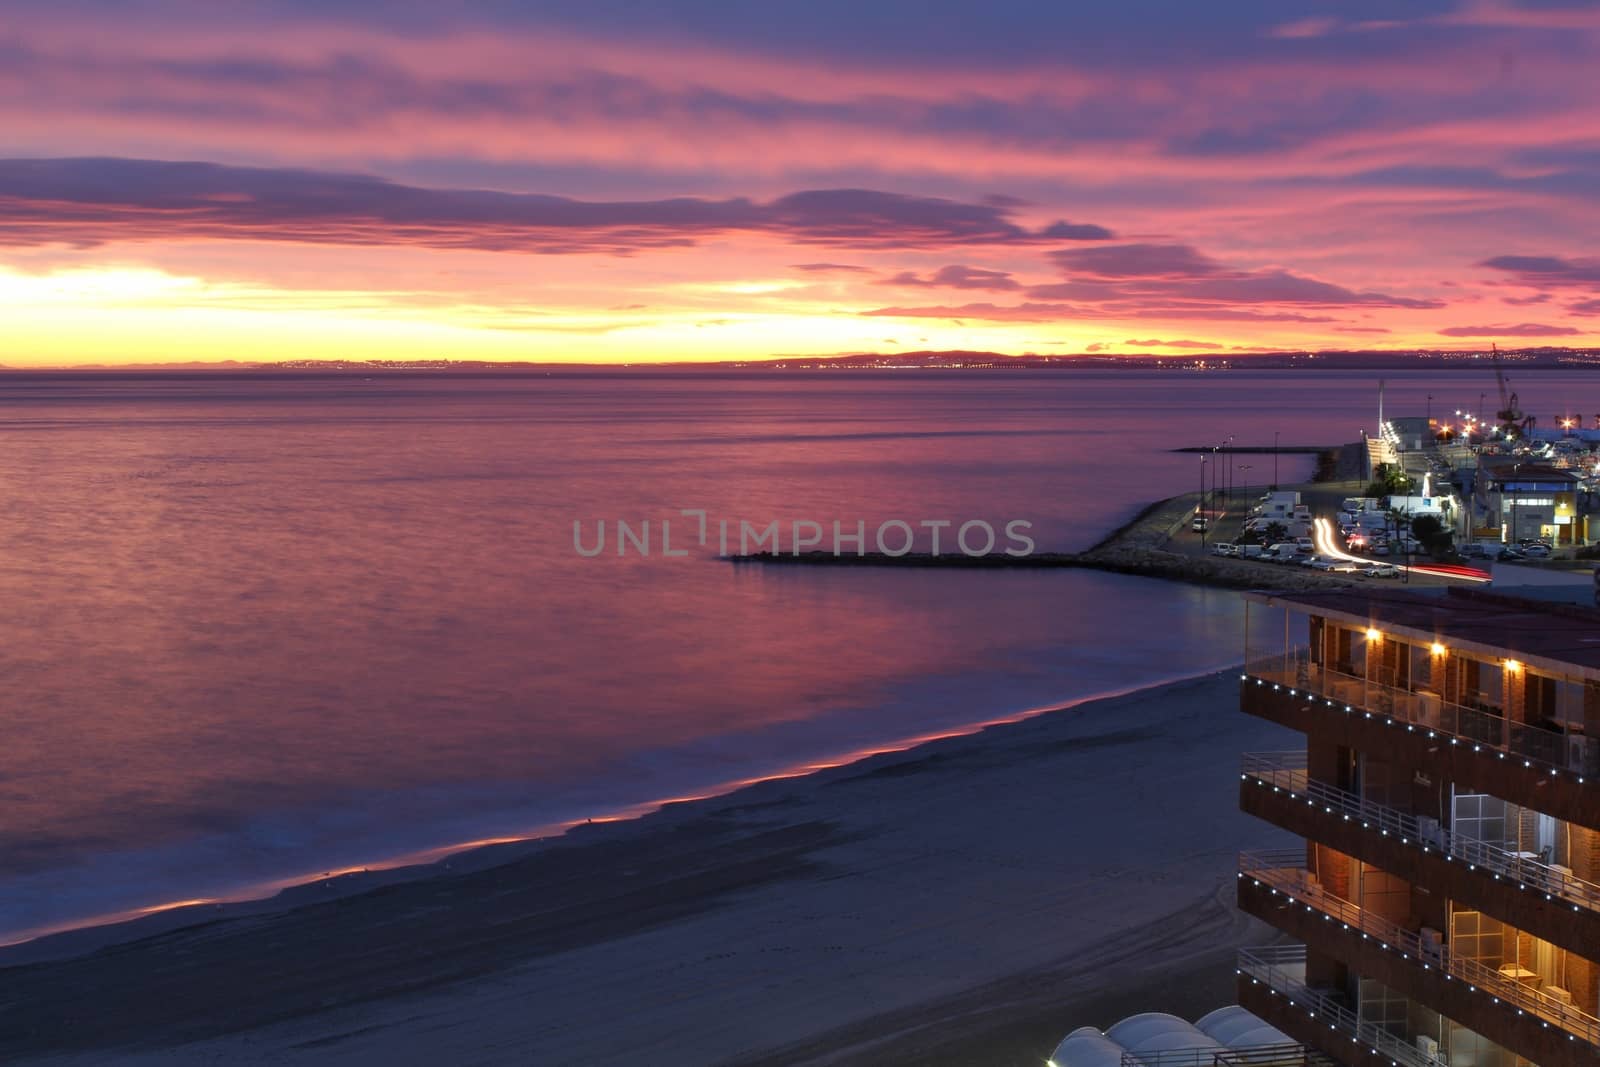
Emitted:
<point x="964" y="903"/>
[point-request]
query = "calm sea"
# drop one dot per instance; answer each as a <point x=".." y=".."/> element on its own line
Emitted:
<point x="256" y="629"/>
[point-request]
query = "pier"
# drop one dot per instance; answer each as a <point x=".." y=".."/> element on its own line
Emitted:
<point x="1260" y="450"/>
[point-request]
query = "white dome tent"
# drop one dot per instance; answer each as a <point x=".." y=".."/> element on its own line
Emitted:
<point x="1087" y="1047"/>
<point x="1156" y="1031"/>
<point x="1237" y="1028"/>
<point x="1153" y="1037"/>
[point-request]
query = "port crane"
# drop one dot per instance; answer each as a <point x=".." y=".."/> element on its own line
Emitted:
<point x="1513" y="421"/>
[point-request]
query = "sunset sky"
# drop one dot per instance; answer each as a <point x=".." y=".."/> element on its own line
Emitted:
<point x="628" y="182"/>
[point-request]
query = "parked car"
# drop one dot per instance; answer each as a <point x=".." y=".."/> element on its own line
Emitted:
<point x="1381" y="570"/>
<point x="1537" y="551"/>
<point x="1224" y="548"/>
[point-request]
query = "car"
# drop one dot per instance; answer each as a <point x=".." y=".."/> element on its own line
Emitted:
<point x="1509" y="552"/>
<point x="1224" y="548"/>
<point x="1379" y="548"/>
<point x="1199" y="524"/>
<point x="1381" y="570"/>
<point x="1537" y="551"/>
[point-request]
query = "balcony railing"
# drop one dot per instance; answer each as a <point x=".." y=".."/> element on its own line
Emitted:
<point x="1285" y="873"/>
<point x="1290" y="1055"/>
<point x="1282" y="969"/>
<point x="1476" y="723"/>
<point x="1286" y="772"/>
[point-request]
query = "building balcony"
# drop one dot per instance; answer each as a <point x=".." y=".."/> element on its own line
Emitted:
<point x="1535" y="767"/>
<point x="1516" y="887"/>
<point x="1291" y="1055"/>
<point x="1276" y="888"/>
<point x="1271" y="984"/>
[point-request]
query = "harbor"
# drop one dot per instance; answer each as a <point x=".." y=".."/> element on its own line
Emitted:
<point x="1429" y="500"/>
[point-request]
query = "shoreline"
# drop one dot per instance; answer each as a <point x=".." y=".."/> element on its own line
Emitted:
<point x="860" y="866"/>
<point x="292" y="891"/>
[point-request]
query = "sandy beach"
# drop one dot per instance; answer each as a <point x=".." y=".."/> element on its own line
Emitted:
<point x="965" y="902"/>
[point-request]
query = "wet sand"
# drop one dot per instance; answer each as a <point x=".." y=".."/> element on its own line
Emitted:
<point x="965" y="902"/>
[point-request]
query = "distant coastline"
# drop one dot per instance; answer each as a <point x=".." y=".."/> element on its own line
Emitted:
<point x="1530" y="358"/>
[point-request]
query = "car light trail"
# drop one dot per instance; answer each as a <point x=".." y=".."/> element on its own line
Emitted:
<point x="1322" y="536"/>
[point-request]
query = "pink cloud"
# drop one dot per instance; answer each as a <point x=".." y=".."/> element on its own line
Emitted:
<point x="1155" y="342"/>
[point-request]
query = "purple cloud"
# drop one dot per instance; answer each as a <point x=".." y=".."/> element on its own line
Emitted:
<point x="1136" y="261"/>
<point x="87" y="202"/>
<point x="831" y="268"/>
<point x="956" y="276"/>
<point x="1131" y="276"/>
<point x="1542" y="272"/>
<point x="1050" y="312"/>
<point x="1521" y="329"/>
<point x="990" y="312"/>
<point x="1282" y="287"/>
<point x="1075" y="231"/>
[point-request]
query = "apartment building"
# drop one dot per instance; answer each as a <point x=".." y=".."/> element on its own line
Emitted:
<point x="1445" y="907"/>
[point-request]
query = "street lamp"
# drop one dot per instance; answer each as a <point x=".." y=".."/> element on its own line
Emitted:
<point x="1245" y="467"/>
<point x="1274" y="461"/>
<point x="1200" y="511"/>
<point x="1229" y="473"/>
